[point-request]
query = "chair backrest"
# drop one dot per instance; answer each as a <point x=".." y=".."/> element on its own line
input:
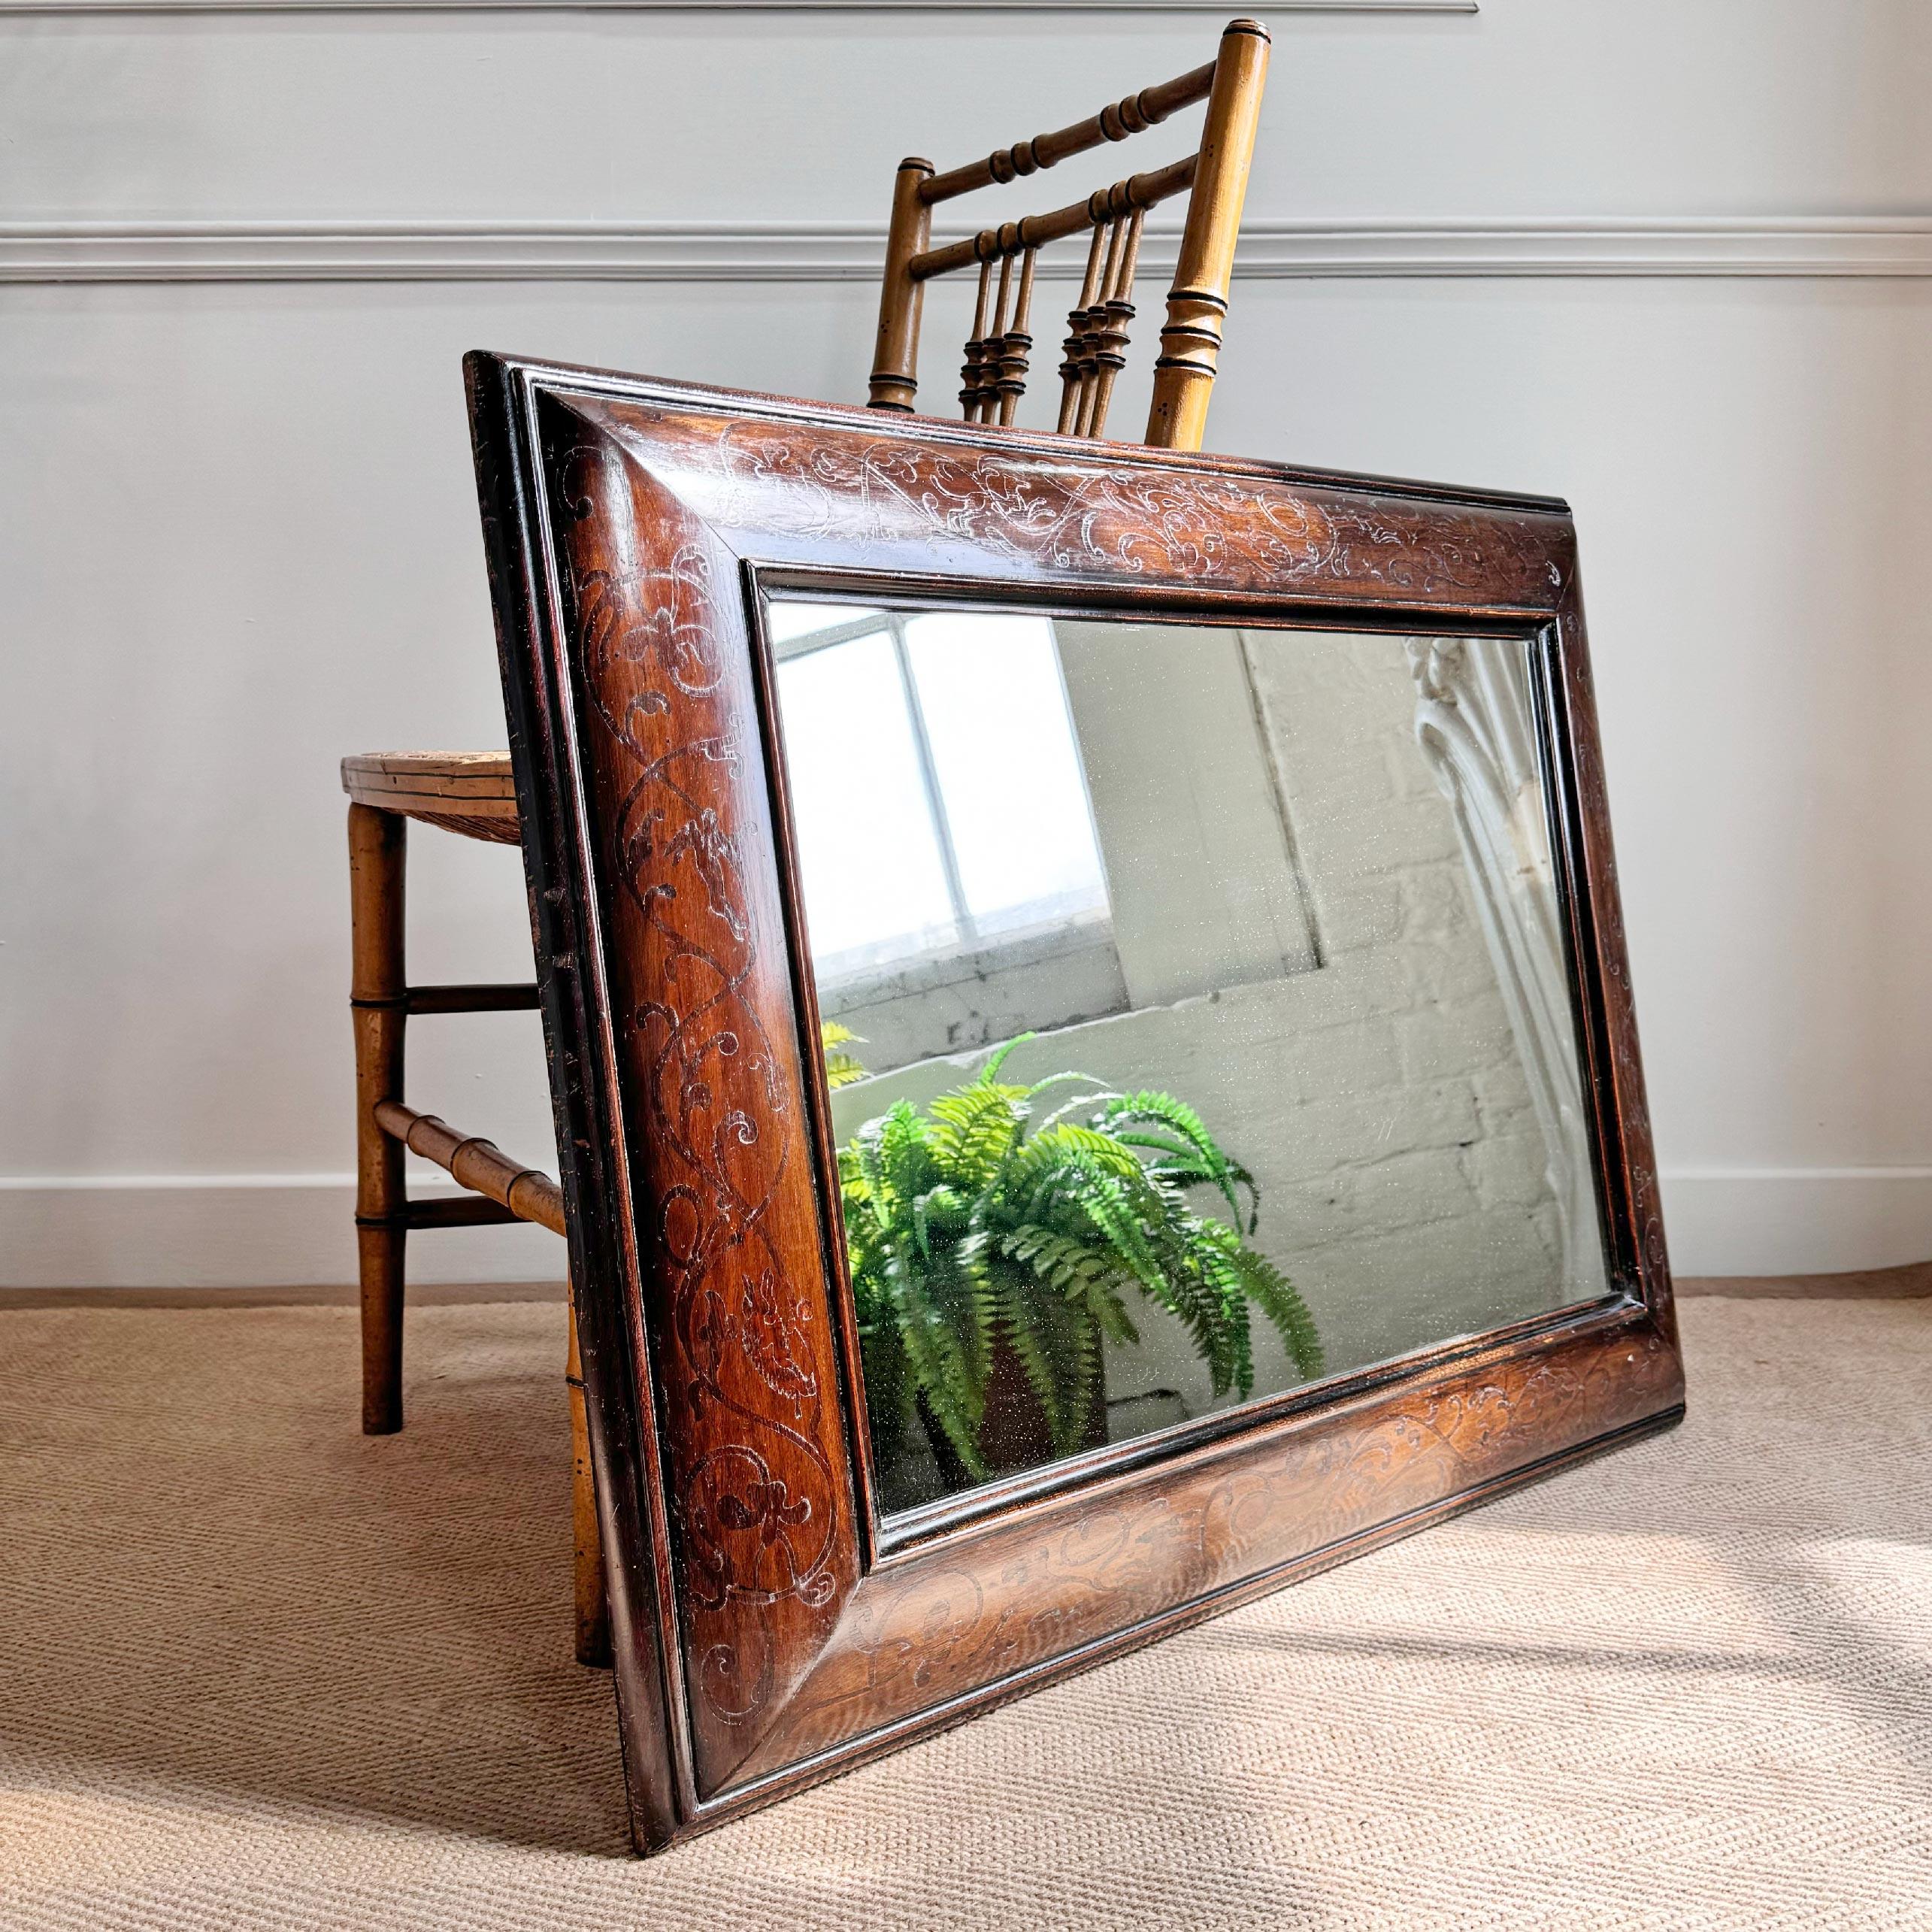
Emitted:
<point x="1215" y="180"/>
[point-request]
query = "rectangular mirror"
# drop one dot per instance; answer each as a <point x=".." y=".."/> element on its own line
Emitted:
<point x="1094" y="1061"/>
<point x="1194" y="1009"/>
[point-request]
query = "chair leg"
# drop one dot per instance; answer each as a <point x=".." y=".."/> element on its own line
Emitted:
<point x="378" y="850"/>
<point x="593" y="1604"/>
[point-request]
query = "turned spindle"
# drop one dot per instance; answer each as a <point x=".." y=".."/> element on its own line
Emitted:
<point x="1093" y="325"/>
<point x="976" y="347"/>
<point x="1146" y="109"/>
<point x="1015" y="345"/>
<point x="1076" y="329"/>
<point x="1116" y="314"/>
<point x="993" y="354"/>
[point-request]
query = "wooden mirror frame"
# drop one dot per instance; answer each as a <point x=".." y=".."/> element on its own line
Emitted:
<point x="769" y="1629"/>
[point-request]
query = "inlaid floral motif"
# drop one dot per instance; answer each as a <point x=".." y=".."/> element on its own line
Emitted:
<point x="712" y="1077"/>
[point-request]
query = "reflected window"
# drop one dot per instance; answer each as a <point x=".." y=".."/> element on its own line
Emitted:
<point x="937" y="794"/>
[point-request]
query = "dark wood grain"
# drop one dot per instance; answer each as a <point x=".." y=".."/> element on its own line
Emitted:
<point x="769" y="1630"/>
<point x="715" y="1129"/>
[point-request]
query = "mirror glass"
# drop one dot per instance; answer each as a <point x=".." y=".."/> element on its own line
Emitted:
<point x="1195" y="1013"/>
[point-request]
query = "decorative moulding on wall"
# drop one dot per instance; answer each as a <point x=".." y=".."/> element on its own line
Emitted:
<point x="1279" y="7"/>
<point x="811" y="252"/>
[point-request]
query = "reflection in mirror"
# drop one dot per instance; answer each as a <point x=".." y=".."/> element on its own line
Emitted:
<point x="1195" y="1014"/>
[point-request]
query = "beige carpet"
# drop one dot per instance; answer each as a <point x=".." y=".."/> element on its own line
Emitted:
<point x="257" y="1670"/>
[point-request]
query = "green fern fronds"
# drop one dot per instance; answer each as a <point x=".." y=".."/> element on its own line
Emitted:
<point x="841" y="1069"/>
<point x="969" y="1226"/>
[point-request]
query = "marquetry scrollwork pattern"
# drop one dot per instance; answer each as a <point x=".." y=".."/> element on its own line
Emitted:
<point x="1084" y="521"/>
<point x="717" y="1142"/>
<point x="1025" y="1598"/>
<point x="927" y="498"/>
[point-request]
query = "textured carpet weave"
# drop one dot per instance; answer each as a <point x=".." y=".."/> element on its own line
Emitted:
<point x="258" y="1670"/>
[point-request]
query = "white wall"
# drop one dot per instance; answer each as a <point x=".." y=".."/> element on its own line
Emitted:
<point x="240" y="540"/>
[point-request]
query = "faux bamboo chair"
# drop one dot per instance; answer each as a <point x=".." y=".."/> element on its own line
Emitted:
<point x="1214" y="179"/>
<point x="471" y="793"/>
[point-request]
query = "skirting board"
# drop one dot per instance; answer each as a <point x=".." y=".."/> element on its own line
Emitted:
<point x="239" y="1230"/>
<point x="1781" y="1221"/>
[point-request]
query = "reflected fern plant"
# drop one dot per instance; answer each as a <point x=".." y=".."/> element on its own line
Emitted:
<point x="841" y="1067"/>
<point x="968" y="1225"/>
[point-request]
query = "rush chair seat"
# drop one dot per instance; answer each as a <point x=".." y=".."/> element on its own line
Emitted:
<point x="471" y="794"/>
